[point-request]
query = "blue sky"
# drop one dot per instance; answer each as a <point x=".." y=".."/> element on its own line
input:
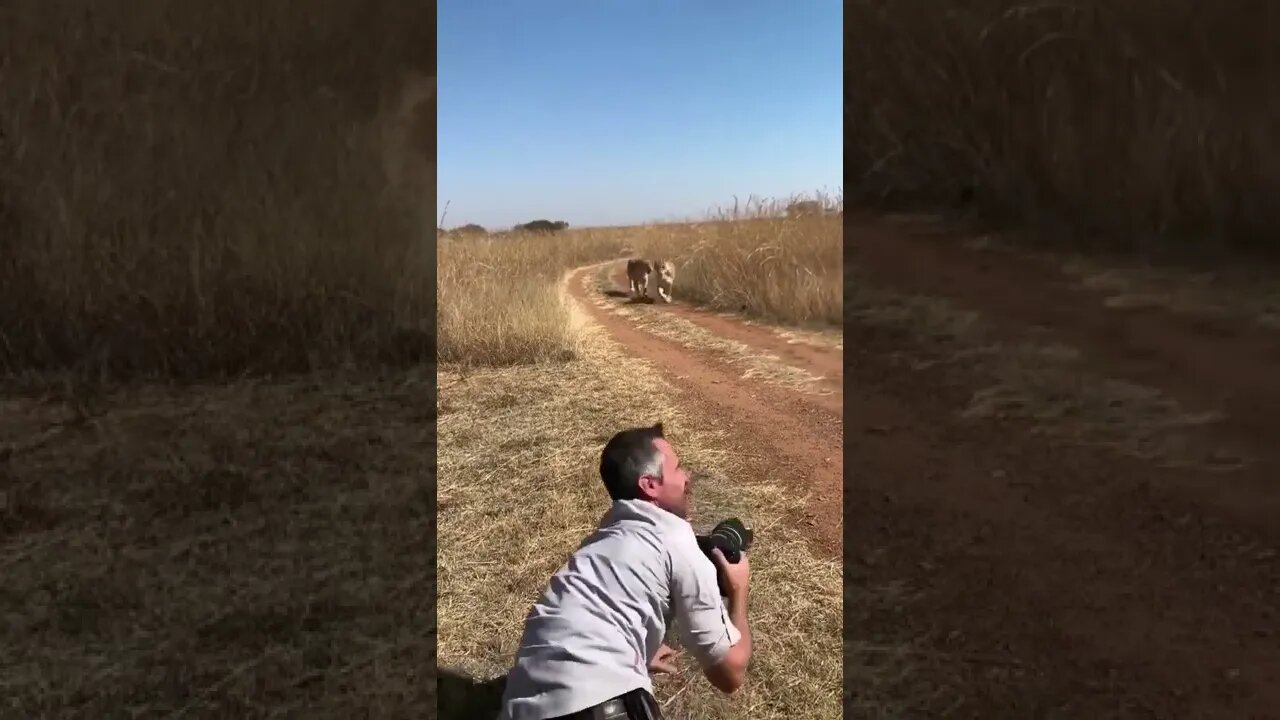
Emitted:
<point x="603" y="112"/>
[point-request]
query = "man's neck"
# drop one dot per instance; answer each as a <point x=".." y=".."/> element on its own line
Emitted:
<point x="649" y="506"/>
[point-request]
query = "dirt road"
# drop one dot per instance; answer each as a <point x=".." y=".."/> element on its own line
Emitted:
<point x="1102" y="542"/>
<point x="787" y="429"/>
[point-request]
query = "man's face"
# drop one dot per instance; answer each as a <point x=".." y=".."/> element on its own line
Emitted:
<point x="671" y="493"/>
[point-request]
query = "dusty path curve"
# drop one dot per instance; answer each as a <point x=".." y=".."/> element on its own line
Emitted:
<point x="787" y="435"/>
<point x="1038" y="577"/>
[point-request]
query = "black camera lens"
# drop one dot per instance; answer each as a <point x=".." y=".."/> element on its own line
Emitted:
<point x="730" y="536"/>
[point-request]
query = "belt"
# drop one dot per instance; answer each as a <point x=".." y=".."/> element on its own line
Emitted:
<point x="635" y="705"/>
<point x="613" y="709"/>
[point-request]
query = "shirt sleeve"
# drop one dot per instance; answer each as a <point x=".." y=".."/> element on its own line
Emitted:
<point x="703" y="621"/>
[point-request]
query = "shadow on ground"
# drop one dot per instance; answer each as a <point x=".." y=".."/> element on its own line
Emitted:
<point x="461" y="697"/>
<point x="623" y="295"/>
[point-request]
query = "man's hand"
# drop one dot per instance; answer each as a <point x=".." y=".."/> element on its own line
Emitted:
<point x="737" y="576"/>
<point x="731" y="672"/>
<point x="662" y="661"/>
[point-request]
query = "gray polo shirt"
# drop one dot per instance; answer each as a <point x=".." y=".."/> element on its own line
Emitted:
<point x="591" y="633"/>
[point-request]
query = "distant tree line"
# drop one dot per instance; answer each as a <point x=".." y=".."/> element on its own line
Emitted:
<point x="542" y="226"/>
<point x="536" y="226"/>
<point x="468" y="229"/>
<point x="802" y="208"/>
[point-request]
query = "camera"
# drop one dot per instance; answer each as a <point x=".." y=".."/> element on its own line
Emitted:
<point x="732" y="537"/>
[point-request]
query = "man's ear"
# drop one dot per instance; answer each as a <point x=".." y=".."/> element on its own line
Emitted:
<point x="648" y="485"/>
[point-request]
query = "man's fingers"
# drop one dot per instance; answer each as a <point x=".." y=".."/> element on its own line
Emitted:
<point x="663" y="666"/>
<point x="723" y="561"/>
<point x="663" y="660"/>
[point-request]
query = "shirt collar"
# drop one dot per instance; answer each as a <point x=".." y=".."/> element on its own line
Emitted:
<point x="640" y="510"/>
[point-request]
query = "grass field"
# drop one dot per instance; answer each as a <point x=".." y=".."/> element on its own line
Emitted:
<point x="237" y="550"/>
<point x="226" y="191"/>
<point x="498" y="303"/>
<point x="196" y="203"/>
<point x="529" y="394"/>
<point x="218" y="294"/>
<point x="1137" y="126"/>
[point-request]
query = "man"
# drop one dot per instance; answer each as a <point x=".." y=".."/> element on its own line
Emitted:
<point x="597" y="631"/>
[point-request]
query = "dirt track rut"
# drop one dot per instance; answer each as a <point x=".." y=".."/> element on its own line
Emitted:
<point x="785" y="434"/>
<point x="1036" y="577"/>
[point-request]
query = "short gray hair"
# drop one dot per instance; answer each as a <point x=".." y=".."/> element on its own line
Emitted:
<point x="628" y="456"/>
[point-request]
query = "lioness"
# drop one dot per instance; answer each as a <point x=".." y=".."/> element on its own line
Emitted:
<point x="666" y="272"/>
<point x="638" y="275"/>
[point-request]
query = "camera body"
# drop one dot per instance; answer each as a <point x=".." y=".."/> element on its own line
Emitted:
<point x="732" y="538"/>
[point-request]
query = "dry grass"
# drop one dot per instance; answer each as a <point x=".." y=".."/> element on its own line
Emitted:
<point x="226" y="188"/>
<point x="499" y="302"/>
<point x="188" y="192"/>
<point x="502" y="305"/>
<point x="1243" y="292"/>
<point x="1138" y="125"/>
<point x="759" y="262"/>
<point x="498" y="305"/>
<point x="249" y="550"/>
<point x="1041" y="382"/>
<point x="518" y="448"/>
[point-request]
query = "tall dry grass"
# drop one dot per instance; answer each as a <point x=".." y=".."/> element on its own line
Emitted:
<point x="498" y="298"/>
<point x="1138" y="125"/>
<point x="200" y="189"/>
<point x="499" y="302"/>
<point x="759" y="261"/>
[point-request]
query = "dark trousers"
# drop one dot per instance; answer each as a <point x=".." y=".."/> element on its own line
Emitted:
<point x="635" y="705"/>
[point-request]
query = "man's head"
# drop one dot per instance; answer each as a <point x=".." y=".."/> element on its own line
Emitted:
<point x="639" y="464"/>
